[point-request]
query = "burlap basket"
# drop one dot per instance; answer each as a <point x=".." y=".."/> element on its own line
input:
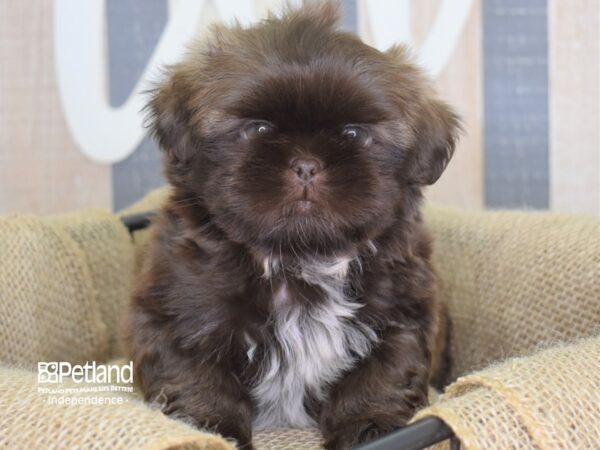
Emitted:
<point x="63" y="283"/>
<point x="515" y="280"/>
<point x="28" y="421"/>
<point x="519" y="285"/>
<point x="550" y="400"/>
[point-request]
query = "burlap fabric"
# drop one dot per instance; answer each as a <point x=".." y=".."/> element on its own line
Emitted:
<point x="62" y="282"/>
<point x="512" y="280"/>
<point x="288" y="439"/>
<point x="29" y="421"/>
<point x="106" y="245"/>
<point x="550" y="400"/>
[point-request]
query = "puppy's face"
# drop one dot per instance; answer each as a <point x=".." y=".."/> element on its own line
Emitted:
<point x="297" y="136"/>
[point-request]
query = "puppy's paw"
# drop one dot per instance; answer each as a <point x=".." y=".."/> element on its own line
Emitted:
<point x="239" y="437"/>
<point x="234" y="429"/>
<point x="352" y="432"/>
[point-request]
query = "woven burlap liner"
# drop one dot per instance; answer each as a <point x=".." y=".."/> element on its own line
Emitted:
<point x="518" y="285"/>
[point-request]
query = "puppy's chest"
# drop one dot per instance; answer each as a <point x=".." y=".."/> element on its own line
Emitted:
<point x="309" y="345"/>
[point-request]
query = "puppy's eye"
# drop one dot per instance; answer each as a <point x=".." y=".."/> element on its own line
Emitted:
<point x="255" y="129"/>
<point x="356" y="134"/>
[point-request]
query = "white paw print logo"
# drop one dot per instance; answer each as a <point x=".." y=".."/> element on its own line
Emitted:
<point x="47" y="372"/>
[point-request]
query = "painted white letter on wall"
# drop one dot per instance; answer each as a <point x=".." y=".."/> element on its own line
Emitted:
<point x="109" y="134"/>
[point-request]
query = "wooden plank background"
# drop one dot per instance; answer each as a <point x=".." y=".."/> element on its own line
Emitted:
<point x="575" y="105"/>
<point x="43" y="171"/>
<point x="460" y="84"/>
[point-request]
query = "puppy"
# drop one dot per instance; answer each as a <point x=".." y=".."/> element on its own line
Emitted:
<point x="288" y="280"/>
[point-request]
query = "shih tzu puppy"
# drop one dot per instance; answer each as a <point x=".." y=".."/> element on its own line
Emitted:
<point x="288" y="280"/>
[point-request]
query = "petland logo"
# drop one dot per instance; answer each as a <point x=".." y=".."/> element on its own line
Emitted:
<point x="90" y="372"/>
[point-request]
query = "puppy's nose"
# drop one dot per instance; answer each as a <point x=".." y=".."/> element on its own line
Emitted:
<point x="306" y="168"/>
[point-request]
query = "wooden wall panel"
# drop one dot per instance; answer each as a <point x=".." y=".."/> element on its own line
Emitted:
<point x="41" y="170"/>
<point x="575" y="105"/>
<point x="460" y="84"/>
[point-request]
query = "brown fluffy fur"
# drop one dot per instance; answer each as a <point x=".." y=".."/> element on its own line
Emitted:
<point x="235" y="203"/>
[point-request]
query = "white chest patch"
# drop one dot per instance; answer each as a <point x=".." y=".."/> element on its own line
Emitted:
<point x="310" y="349"/>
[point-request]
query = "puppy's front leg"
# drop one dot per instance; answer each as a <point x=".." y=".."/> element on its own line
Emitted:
<point x="380" y="394"/>
<point x="204" y="391"/>
<point x="215" y="401"/>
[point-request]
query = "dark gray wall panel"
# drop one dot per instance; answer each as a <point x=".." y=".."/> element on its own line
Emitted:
<point x="134" y="28"/>
<point x="137" y="175"/>
<point x="515" y="50"/>
<point x="350" y="16"/>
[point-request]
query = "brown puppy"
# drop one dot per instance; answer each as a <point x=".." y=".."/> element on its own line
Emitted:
<point x="288" y="280"/>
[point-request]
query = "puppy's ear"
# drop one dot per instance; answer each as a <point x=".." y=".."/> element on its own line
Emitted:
<point x="169" y="118"/>
<point x="436" y="134"/>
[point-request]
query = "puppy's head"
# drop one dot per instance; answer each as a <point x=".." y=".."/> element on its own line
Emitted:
<point x="293" y="134"/>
